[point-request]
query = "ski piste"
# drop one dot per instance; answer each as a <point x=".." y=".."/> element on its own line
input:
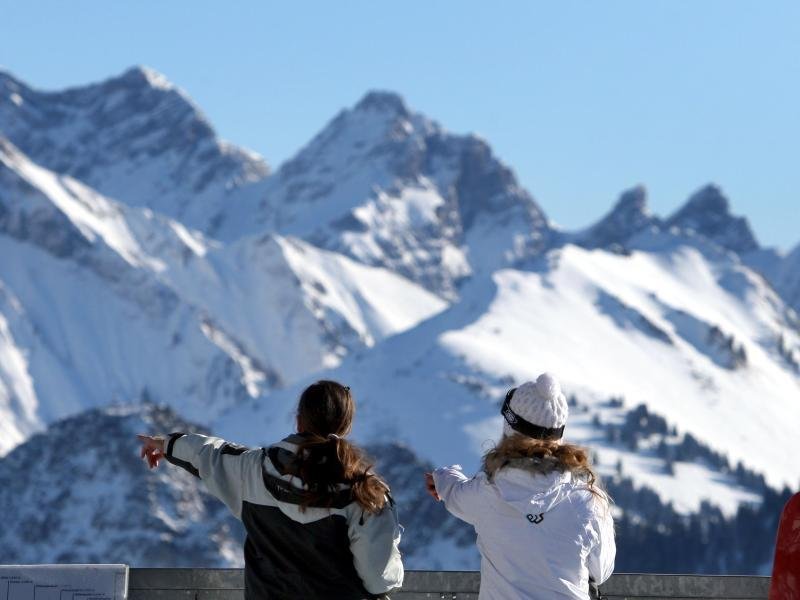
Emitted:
<point x="785" y="584"/>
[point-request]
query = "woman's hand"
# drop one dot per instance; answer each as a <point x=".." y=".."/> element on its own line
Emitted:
<point x="152" y="449"/>
<point x="430" y="486"/>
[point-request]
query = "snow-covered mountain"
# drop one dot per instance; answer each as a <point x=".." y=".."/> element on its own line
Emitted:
<point x="674" y="355"/>
<point x="389" y="187"/>
<point x="84" y="319"/>
<point x="98" y="293"/>
<point x="136" y="137"/>
<point x="79" y="493"/>
<point x="381" y="184"/>
<point x="143" y="259"/>
<point x="706" y="214"/>
<point x="676" y="325"/>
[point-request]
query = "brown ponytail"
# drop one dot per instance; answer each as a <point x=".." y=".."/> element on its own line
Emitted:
<point x="325" y="458"/>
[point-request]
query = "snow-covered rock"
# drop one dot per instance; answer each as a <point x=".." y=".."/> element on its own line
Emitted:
<point x="789" y="282"/>
<point x="135" y="137"/>
<point x="782" y="270"/>
<point x="79" y="493"/>
<point x="389" y="187"/>
<point x="381" y="184"/>
<point x="629" y="216"/>
<point x="708" y="213"/>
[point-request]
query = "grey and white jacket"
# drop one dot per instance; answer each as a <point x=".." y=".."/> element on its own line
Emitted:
<point x="337" y="552"/>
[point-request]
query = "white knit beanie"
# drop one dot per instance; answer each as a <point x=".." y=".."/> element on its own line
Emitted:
<point x="540" y="402"/>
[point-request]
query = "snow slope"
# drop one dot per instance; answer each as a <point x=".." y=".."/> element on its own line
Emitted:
<point x="84" y="317"/>
<point x="677" y="325"/>
<point x="299" y="308"/>
<point x="104" y="301"/>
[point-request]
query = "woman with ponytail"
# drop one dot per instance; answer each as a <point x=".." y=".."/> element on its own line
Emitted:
<point x="320" y="523"/>
<point x="544" y="526"/>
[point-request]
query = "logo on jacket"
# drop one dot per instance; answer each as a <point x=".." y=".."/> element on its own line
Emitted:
<point x="536" y="519"/>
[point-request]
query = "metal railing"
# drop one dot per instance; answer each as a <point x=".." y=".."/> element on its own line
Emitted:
<point x="228" y="584"/>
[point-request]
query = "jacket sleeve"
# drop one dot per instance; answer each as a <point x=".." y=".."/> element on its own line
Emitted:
<point x="374" y="542"/>
<point x="221" y="465"/>
<point x="600" y="561"/>
<point x="460" y="494"/>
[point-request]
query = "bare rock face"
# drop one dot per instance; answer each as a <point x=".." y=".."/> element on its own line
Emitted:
<point x="708" y="214"/>
<point x="629" y="216"/>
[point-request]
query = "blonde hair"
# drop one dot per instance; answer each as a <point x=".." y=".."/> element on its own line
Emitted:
<point x="543" y="456"/>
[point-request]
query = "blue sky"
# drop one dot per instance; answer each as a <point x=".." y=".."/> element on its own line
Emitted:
<point x="582" y="99"/>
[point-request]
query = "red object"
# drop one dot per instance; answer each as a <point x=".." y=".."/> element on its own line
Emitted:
<point x="785" y="584"/>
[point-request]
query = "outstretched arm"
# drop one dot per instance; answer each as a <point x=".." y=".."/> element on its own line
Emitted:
<point x="460" y="494"/>
<point x="221" y="465"/>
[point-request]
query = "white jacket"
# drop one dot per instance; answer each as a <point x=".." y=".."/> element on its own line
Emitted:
<point x="541" y="536"/>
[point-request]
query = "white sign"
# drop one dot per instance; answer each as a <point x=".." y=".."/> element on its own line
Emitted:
<point x="63" y="582"/>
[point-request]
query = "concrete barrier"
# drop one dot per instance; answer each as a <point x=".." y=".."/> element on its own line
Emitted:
<point x="228" y="584"/>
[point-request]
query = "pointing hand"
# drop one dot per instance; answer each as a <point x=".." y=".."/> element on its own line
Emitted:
<point x="152" y="449"/>
<point x="430" y="486"/>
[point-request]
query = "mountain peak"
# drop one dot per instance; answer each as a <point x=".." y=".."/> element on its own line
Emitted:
<point x="708" y="213"/>
<point x="6" y="76"/>
<point x="389" y="186"/>
<point x="633" y="200"/>
<point x="709" y="198"/>
<point x="383" y="101"/>
<point x="146" y="75"/>
<point x="135" y="137"/>
<point x="628" y="216"/>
